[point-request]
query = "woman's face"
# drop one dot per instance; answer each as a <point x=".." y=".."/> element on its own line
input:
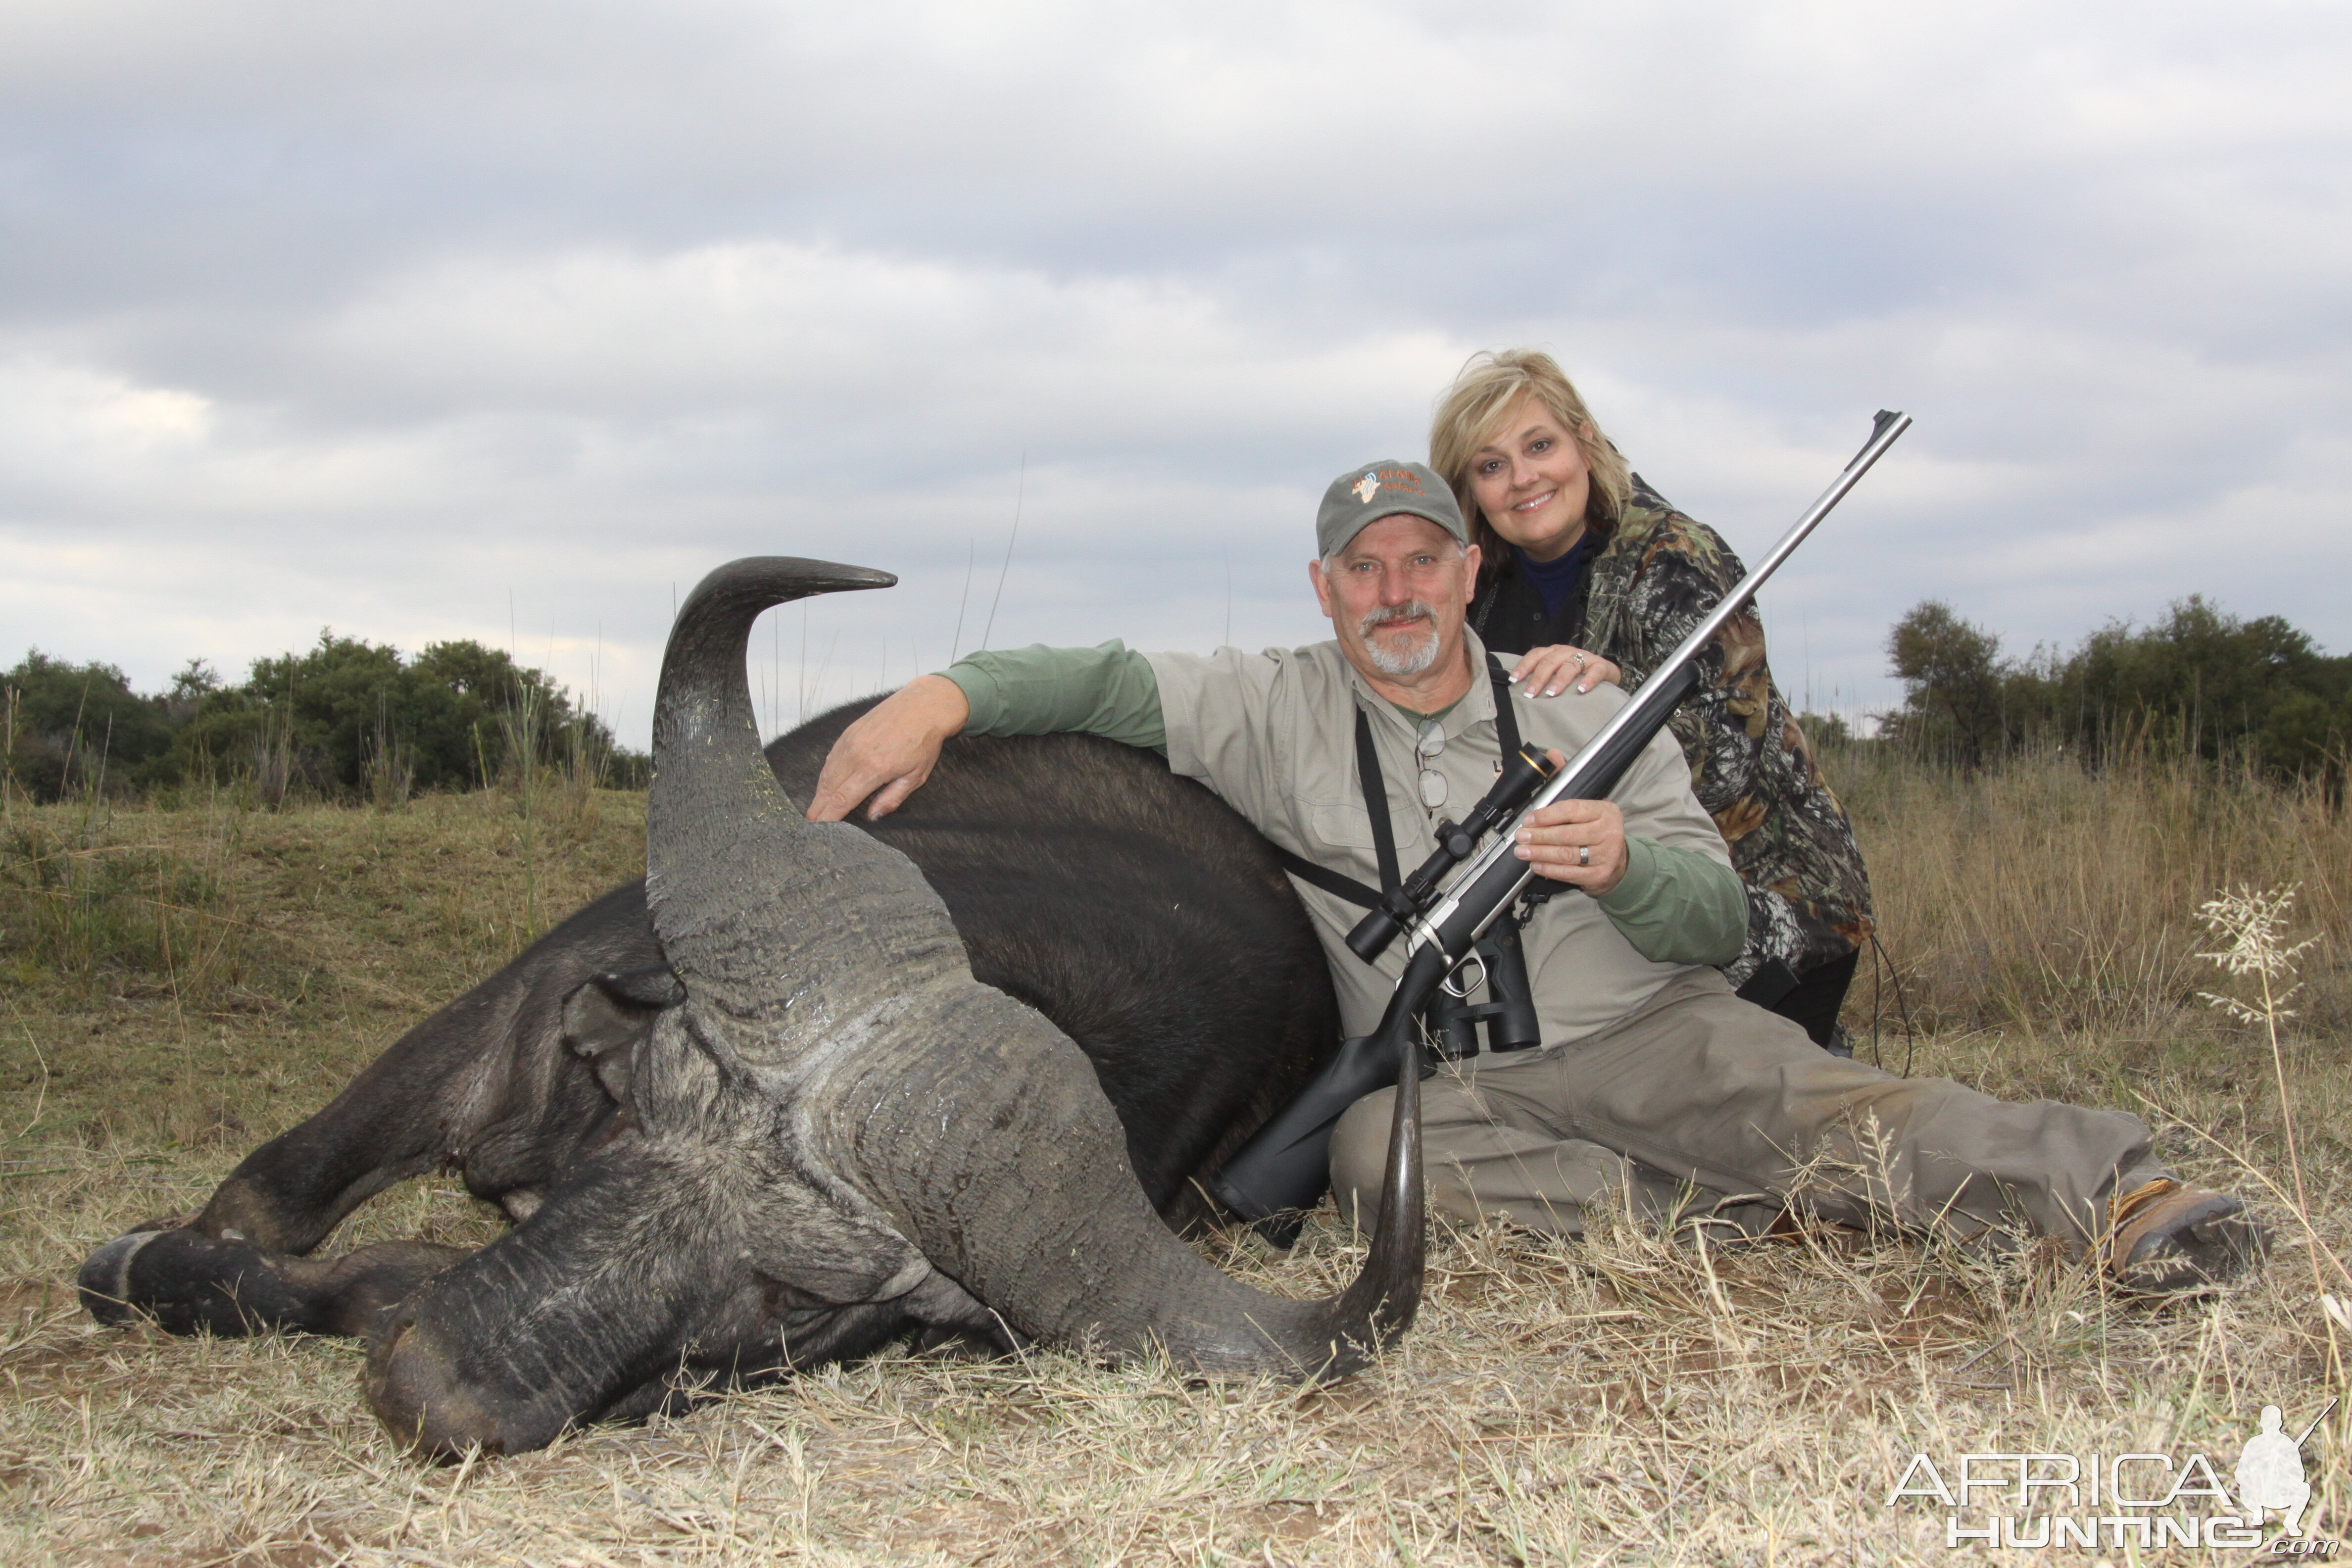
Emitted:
<point x="1531" y="483"/>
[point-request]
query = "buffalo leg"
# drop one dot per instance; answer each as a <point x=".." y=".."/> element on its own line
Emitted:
<point x="427" y="1102"/>
<point x="489" y="1085"/>
<point x="235" y="1269"/>
<point x="188" y="1282"/>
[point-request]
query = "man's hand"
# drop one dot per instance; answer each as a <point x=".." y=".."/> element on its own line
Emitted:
<point x="1546" y="671"/>
<point x="1579" y="842"/>
<point x="892" y="750"/>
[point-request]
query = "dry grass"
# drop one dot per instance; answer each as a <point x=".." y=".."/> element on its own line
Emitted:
<point x="181" y="979"/>
<point x="2036" y="896"/>
<point x="1621" y="1401"/>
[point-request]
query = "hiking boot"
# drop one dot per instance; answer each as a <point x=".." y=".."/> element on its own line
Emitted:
<point x="2164" y="1236"/>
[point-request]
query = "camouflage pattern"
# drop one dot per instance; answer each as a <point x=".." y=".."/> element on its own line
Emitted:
<point x="1656" y="575"/>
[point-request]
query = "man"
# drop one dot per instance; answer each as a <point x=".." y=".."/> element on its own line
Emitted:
<point x="1655" y="1087"/>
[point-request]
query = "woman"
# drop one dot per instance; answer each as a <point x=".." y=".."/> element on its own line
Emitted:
<point x="1593" y="576"/>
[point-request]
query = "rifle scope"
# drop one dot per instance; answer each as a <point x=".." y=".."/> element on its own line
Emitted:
<point x="1522" y="775"/>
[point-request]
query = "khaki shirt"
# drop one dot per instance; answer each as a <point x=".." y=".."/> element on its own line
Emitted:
<point x="1274" y="735"/>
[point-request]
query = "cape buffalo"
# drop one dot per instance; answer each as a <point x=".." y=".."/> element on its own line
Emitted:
<point x="792" y="1126"/>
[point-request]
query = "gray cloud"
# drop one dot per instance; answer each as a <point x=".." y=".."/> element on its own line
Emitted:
<point x="440" y="320"/>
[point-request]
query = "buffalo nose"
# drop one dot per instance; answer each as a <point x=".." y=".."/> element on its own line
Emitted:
<point x="426" y="1404"/>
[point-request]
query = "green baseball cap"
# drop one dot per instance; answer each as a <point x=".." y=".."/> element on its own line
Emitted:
<point x="1362" y="496"/>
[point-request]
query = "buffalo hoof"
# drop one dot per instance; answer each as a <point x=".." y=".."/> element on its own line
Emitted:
<point x="186" y="1283"/>
<point x="103" y="1282"/>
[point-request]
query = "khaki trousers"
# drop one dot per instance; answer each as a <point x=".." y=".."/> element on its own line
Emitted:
<point x="1699" y="1104"/>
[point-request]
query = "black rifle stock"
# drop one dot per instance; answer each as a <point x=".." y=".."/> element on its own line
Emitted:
<point x="1282" y="1170"/>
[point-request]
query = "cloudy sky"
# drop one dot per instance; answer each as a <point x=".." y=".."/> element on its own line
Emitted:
<point x="508" y="322"/>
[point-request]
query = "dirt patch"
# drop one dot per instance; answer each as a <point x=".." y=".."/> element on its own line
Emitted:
<point x="1286" y="1521"/>
<point x="25" y="1303"/>
<point x="74" y="1354"/>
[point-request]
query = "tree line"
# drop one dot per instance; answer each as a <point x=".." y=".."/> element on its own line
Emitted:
<point x="351" y="719"/>
<point x="2197" y="681"/>
<point x="347" y="720"/>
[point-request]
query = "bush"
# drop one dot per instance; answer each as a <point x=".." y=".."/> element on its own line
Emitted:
<point x="348" y="719"/>
<point x="70" y="727"/>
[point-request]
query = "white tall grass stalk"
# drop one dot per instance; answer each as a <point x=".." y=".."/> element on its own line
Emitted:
<point x="971" y="559"/>
<point x="524" y="722"/>
<point x="2251" y="929"/>
<point x="1020" y="494"/>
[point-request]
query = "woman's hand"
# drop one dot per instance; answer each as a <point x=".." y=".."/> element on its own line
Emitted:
<point x="1579" y="842"/>
<point x="1546" y="671"/>
<point x="892" y="750"/>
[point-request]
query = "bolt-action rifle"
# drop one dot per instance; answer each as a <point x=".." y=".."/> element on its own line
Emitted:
<point x="1281" y="1172"/>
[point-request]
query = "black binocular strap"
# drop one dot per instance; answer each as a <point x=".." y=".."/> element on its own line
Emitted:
<point x="1338" y="884"/>
<point x="1506" y="723"/>
<point x="1376" y="805"/>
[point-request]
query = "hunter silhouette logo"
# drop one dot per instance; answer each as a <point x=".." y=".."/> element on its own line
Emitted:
<point x="2270" y="1471"/>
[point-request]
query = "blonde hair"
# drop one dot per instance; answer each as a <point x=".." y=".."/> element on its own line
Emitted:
<point x="1471" y="413"/>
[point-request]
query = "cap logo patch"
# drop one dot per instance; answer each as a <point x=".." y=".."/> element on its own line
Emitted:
<point x="1365" y="487"/>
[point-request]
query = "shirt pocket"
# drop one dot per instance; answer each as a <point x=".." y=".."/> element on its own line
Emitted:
<point x="1341" y="824"/>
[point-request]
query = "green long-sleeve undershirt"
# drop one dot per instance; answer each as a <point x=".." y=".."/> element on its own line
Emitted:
<point x="1675" y="906"/>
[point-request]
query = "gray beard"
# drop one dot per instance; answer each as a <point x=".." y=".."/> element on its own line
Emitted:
<point x="1409" y="662"/>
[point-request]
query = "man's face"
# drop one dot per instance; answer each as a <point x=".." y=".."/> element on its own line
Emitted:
<point x="1396" y="595"/>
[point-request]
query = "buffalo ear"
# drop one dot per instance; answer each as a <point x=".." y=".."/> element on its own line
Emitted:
<point x="606" y="1015"/>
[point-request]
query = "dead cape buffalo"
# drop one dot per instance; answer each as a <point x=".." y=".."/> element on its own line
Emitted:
<point x="790" y="1122"/>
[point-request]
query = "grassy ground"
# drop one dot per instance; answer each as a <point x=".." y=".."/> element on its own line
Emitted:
<point x="175" y="986"/>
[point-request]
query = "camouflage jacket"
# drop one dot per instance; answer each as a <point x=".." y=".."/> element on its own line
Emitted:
<point x="1644" y="586"/>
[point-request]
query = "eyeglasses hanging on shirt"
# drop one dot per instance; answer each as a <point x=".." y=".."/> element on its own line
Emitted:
<point x="1425" y="750"/>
